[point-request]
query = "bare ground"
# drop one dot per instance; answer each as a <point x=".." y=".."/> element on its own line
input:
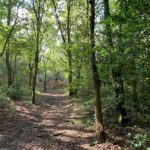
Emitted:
<point x="46" y="126"/>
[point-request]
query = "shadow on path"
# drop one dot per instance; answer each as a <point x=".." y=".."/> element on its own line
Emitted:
<point x="47" y="126"/>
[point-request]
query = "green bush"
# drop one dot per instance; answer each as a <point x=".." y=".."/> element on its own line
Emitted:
<point x="3" y="101"/>
<point x="3" y="97"/>
<point x="24" y="91"/>
<point x="14" y="92"/>
<point x="140" y="141"/>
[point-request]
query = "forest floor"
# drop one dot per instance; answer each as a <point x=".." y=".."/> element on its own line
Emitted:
<point x="47" y="126"/>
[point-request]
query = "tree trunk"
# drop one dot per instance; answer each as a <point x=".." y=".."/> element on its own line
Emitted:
<point x="14" y="72"/>
<point x="36" y="67"/>
<point x="9" y="68"/>
<point x="45" y="77"/>
<point x="38" y="7"/>
<point x="119" y="91"/>
<point x="30" y="79"/>
<point x="30" y="75"/>
<point x="45" y="83"/>
<point x="96" y="81"/>
<point x="66" y="41"/>
<point x="71" y="92"/>
<point x="8" y="64"/>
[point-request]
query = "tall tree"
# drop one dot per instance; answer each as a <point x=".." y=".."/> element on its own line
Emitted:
<point x="6" y="46"/>
<point x="38" y="8"/>
<point x="67" y="39"/>
<point x="8" y="63"/>
<point x="69" y="5"/>
<point x="96" y="78"/>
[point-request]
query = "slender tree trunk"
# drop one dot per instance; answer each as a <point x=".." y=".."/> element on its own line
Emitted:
<point x="59" y="22"/>
<point x="30" y="75"/>
<point x="8" y="64"/>
<point x="30" y="79"/>
<point x="45" y="83"/>
<point x="14" y="72"/>
<point x="96" y="81"/>
<point x="38" y="7"/>
<point x="34" y="79"/>
<point x="36" y="65"/>
<point x="71" y="92"/>
<point x="9" y="69"/>
<point x="66" y="41"/>
<point x="45" y="77"/>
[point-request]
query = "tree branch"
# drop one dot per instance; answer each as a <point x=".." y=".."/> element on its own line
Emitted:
<point x="58" y="21"/>
<point x="11" y="30"/>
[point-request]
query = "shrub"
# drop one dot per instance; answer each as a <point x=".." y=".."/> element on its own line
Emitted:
<point x="3" y="97"/>
<point x="14" y="92"/>
<point x="140" y="141"/>
<point x="3" y="101"/>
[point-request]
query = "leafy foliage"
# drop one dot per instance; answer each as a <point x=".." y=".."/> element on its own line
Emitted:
<point x="140" y="141"/>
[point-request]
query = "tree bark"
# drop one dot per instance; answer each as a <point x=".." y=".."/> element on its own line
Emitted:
<point x="58" y="21"/>
<point x="96" y="81"/>
<point x="31" y="67"/>
<point x="36" y="60"/>
<point x="38" y="11"/>
<point x="14" y="72"/>
<point x="8" y="63"/>
<point x="45" y="77"/>
<point x="71" y="92"/>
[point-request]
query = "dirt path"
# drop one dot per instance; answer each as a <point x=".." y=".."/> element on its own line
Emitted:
<point x="47" y="126"/>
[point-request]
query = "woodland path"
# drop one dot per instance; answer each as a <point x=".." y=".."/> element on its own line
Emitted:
<point x="47" y="126"/>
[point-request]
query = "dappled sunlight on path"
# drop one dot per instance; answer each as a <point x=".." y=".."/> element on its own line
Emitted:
<point x="53" y="95"/>
<point x="46" y="126"/>
<point x="57" y="120"/>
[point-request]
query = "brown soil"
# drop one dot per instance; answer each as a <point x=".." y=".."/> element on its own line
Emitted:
<point x="47" y="126"/>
